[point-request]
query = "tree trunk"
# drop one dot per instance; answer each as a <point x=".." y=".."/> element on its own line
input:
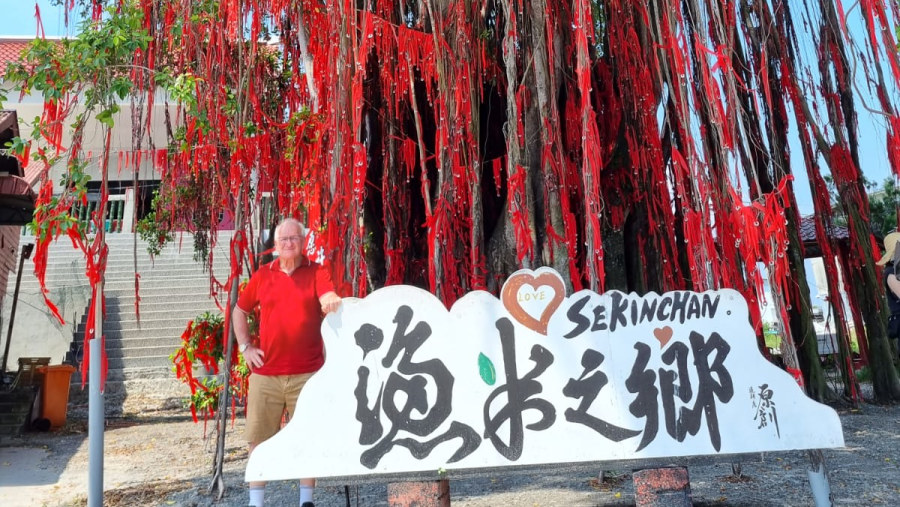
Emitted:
<point x="550" y="217"/>
<point x="885" y="380"/>
<point x="590" y="158"/>
<point x="519" y="203"/>
<point x="800" y="316"/>
<point x="853" y="197"/>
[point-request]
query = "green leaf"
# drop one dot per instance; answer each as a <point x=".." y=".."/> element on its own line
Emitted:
<point x="105" y="116"/>
<point x="17" y="145"/>
<point x="486" y="369"/>
<point x="122" y="87"/>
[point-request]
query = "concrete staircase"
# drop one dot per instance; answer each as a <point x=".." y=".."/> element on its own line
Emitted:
<point x="173" y="290"/>
<point x="15" y="408"/>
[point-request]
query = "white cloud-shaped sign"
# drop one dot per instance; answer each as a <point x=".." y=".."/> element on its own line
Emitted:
<point x="536" y="377"/>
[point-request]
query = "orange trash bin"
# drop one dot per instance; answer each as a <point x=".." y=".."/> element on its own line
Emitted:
<point x="55" y="393"/>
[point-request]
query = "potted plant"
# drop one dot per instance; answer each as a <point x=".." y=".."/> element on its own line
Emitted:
<point x="203" y="348"/>
<point x="205" y="397"/>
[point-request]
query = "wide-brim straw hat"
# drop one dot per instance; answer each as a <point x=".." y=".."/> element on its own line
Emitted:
<point x="890" y="244"/>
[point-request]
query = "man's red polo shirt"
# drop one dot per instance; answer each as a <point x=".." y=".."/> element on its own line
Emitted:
<point x="290" y="316"/>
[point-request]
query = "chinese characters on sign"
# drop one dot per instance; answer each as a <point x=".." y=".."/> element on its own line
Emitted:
<point x="538" y="377"/>
<point x="765" y="407"/>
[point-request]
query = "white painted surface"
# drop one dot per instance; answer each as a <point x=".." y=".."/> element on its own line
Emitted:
<point x="325" y="438"/>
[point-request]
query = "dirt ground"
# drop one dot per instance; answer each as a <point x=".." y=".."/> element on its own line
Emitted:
<point x="155" y="455"/>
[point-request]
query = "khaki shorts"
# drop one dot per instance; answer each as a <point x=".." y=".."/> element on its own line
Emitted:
<point x="268" y="397"/>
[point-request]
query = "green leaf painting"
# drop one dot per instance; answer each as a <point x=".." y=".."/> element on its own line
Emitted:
<point x="486" y="369"/>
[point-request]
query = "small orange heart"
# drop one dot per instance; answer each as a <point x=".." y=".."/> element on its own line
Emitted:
<point x="663" y="335"/>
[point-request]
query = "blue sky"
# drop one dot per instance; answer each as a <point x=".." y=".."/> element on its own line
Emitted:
<point x="18" y="18"/>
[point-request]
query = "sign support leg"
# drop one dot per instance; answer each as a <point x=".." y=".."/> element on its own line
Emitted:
<point x="818" y="479"/>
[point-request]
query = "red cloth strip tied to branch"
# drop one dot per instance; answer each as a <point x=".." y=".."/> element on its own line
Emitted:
<point x="893" y="144"/>
<point x="43" y="214"/>
<point x="774" y="231"/>
<point x="519" y="214"/>
<point x="89" y="334"/>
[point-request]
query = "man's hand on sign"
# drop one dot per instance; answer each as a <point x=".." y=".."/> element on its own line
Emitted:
<point x="330" y="302"/>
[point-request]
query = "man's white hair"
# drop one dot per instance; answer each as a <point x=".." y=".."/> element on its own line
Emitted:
<point x="290" y="221"/>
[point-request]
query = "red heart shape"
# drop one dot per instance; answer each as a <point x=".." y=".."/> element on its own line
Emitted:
<point x="509" y="297"/>
<point x="663" y="335"/>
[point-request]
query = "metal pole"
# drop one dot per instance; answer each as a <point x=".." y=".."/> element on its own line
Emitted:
<point x="96" y="412"/>
<point x="26" y="253"/>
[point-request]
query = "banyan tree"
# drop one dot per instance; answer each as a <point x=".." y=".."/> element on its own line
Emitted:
<point x="631" y="145"/>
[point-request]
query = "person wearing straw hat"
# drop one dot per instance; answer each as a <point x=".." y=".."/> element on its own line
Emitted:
<point x="892" y="283"/>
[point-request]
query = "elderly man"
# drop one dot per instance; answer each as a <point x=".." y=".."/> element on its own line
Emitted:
<point x="292" y="294"/>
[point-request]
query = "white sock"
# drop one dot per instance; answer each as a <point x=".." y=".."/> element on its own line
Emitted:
<point x="256" y="495"/>
<point x="306" y="494"/>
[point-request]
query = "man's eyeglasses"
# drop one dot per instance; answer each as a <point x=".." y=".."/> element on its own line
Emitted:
<point x="288" y="239"/>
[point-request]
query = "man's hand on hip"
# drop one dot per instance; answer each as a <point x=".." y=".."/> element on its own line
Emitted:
<point x="253" y="356"/>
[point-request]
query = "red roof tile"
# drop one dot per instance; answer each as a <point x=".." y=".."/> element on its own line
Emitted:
<point x="10" y="51"/>
<point x="7" y="117"/>
<point x="33" y="172"/>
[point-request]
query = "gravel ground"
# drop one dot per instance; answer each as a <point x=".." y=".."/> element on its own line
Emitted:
<point x="154" y="455"/>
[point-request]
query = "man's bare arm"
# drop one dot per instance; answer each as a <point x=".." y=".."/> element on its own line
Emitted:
<point x="253" y="355"/>
<point x="894" y="285"/>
